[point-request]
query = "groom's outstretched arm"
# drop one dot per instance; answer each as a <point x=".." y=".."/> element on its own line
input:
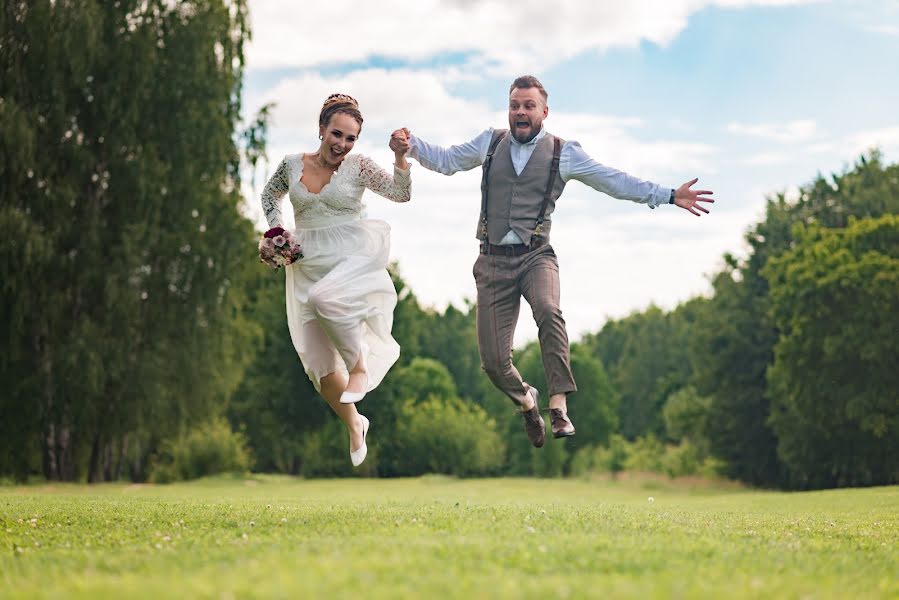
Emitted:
<point x="576" y="164"/>
<point x="461" y="157"/>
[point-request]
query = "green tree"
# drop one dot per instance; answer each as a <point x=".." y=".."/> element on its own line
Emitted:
<point x="687" y="417"/>
<point x="276" y="405"/>
<point x="833" y="382"/>
<point x="734" y="341"/>
<point x="645" y="357"/>
<point x="124" y="254"/>
<point x="458" y="350"/>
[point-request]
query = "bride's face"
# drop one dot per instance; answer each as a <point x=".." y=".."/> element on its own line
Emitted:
<point x="338" y="138"/>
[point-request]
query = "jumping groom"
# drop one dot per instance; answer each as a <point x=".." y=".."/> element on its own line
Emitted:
<point x="525" y="169"/>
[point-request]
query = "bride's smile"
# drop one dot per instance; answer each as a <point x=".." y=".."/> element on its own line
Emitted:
<point x="338" y="140"/>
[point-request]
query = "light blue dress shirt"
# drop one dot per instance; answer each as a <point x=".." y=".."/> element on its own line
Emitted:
<point x="574" y="163"/>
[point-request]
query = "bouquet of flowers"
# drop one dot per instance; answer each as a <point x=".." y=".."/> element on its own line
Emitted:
<point x="279" y="248"/>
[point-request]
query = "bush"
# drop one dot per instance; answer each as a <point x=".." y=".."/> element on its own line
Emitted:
<point x="550" y="461"/>
<point x="645" y="454"/>
<point x="445" y="435"/>
<point x="207" y="450"/>
<point x="681" y="460"/>
<point x="686" y="416"/>
<point x="601" y="459"/>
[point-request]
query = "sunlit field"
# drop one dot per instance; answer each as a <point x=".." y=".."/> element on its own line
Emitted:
<point x="440" y="537"/>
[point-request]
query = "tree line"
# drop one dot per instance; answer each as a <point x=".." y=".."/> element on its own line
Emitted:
<point x="143" y="340"/>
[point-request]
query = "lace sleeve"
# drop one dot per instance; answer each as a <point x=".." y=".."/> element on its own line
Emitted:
<point x="273" y="192"/>
<point x="397" y="188"/>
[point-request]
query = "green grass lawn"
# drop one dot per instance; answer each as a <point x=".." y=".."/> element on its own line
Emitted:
<point x="438" y="537"/>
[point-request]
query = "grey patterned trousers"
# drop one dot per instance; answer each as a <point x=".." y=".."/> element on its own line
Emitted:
<point x="501" y="282"/>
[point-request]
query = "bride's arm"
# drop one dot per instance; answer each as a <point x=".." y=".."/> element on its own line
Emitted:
<point x="397" y="188"/>
<point x="273" y="192"/>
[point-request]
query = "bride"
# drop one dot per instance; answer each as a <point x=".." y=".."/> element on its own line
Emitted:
<point x="340" y="298"/>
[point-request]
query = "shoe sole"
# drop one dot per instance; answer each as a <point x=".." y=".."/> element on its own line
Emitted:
<point x="564" y="434"/>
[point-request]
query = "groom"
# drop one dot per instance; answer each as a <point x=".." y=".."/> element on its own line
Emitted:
<point x="525" y="169"/>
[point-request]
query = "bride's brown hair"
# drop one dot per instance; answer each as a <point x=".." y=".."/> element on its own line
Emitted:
<point x="339" y="103"/>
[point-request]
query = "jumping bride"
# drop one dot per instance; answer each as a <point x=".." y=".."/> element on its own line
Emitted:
<point x="340" y="297"/>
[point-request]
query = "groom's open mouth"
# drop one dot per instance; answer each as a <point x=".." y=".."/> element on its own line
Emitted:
<point x="522" y="124"/>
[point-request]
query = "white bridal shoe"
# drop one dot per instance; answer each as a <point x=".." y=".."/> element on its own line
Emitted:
<point x="358" y="455"/>
<point x="354" y="397"/>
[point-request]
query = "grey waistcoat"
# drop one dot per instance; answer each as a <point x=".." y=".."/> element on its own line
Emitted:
<point x="513" y="201"/>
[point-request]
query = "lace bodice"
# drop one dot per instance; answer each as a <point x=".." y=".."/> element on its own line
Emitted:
<point x="342" y="196"/>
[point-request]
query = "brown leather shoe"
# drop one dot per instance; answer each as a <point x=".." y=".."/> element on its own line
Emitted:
<point x="561" y="424"/>
<point x="534" y="424"/>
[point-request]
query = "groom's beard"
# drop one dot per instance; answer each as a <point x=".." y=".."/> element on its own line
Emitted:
<point x="525" y="138"/>
<point x="524" y="135"/>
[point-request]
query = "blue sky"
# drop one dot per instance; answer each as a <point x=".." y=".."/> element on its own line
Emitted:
<point x="753" y="96"/>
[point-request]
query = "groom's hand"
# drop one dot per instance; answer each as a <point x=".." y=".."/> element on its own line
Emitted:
<point x="687" y="198"/>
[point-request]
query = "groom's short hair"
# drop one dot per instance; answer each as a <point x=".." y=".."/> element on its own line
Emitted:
<point x="529" y="81"/>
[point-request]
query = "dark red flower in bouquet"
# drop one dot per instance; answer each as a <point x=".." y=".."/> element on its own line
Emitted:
<point x="274" y="231"/>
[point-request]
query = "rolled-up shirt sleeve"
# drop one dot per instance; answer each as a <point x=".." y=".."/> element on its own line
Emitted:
<point x="461" y="157"/>
<point x="574" y="163"/>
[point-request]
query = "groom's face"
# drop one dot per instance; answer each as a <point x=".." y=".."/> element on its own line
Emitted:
<point x="527" y="109"/>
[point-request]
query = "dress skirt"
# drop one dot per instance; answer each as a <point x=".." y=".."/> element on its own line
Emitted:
<point x="340" y="299"/>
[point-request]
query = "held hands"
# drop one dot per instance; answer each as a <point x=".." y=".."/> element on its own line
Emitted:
<point x="687" y="198"/>
<point x="400" y="141"/>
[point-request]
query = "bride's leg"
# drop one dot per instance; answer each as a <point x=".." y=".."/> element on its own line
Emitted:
<point x="358" y="380"/>
<point x="340" y="319"/>
<point x="333" y="386"/>
<point x="323" y="359"/>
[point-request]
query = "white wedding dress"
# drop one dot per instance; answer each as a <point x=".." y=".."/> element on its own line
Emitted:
<point x="340" y="298"/>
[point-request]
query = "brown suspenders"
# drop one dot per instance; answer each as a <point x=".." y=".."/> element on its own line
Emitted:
<point x="553" y="171"/>
<point x="498" y="136"/>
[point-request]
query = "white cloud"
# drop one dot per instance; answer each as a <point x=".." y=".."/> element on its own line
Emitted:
<point x="528" y="35"/>
<point x="615" y="256"/>
<point x="886" y="138"/>
<point x="388" y="99"/>
<point x="821" y="147"/>
<point x="769" y="159"/>
<point x="885" y="29"/>
<point x="789" y="132"/>
<point x="612" y="141"/>
<point x="420" y="100"/>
